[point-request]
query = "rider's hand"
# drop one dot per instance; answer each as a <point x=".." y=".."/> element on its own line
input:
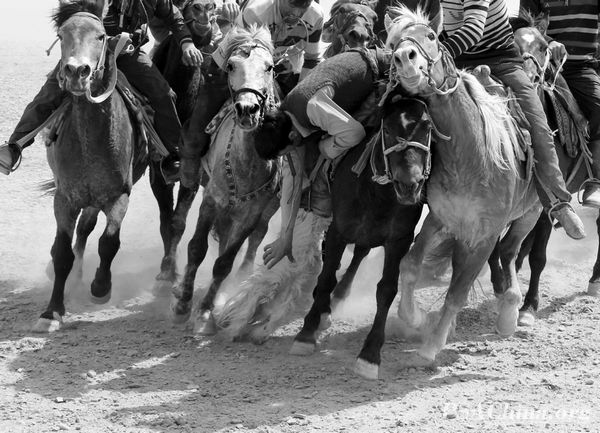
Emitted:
<point x="230" y="10"/>
<point x="276" y="251"/>
<point x="558" y="51"/>
<point x="191" y="55"/>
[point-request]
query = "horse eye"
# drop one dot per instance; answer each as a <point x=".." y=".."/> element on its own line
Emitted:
<point x="229" y="67"/>
<point x="431" y="36"/>
<point x="101" y="37"/>
<point x="270" y="68"/>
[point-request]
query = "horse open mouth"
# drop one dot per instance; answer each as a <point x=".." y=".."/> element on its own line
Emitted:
<point x="410" y="82"/>
<point x="201" y="28"/>
<point x="408" y="194"/>
<point x="76" y="87"/>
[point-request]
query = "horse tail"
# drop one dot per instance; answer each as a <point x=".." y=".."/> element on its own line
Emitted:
<point x="48" y="187"/>
<point x="269" y="296"/>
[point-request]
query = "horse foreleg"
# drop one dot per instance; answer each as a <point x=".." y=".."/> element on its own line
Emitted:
<point x="108" y="246"/>
<point x="256" y="238"/>
<point x="342" y="289"/>
<point x="305" y="341"/>
<point x="181" y="304"/>
<point x="204" y="321"/>
<point x="369" y="359"/>
<point x="508" y="303"/>
<point x="62" y="259"/>
<point x="429" y="238"/>
<point x="466" y="265"/>
<point x="594" y="284"/>
<point x="85" y="226"/>
<point x="537" y="263"/>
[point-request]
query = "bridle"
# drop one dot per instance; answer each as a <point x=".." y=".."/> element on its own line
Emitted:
<point x="349" y="18"/>
<point x="246" y="48"/>
<point x="450" y="70"/>
<point x="98" y="71"/>
<point x="402" y="144"/>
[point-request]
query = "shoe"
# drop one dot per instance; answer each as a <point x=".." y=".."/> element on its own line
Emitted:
<point x="10" y="155"/>
<point x="170" y="168"/>
<point x="591" y="196"/>
<point x="569" y="220"/>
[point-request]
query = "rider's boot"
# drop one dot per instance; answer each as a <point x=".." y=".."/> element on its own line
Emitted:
<point x="591" y="193"/>
<point x="569" y="220"/>
<point x="10" y="155"/>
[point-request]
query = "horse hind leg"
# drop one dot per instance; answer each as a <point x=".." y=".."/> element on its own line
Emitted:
<point x="369" y="359"/>
<point x="342" y="289"/>
<point x="305" y="342"/>
<point x="537" y="263"/>
<point x="594" y="283"/>
<point x="108" y="246"/>
<point x="62" y="259"/>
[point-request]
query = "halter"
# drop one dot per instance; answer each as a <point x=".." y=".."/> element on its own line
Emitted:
<point x="443" y="55"/>
<point x="402" y="144"/>
<point x="350" y="17"/>
<point x="99" y="69"/>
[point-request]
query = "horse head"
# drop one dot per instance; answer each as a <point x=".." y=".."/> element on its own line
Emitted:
<point x="406" y="147"/>
<point x="420" y="64"/>
<point x="530" y="38"/>
<point x="351" y="25"/>
<point x="83" y="43"/>
<point x="200" y="15"/>
<point x="250" y="73"/>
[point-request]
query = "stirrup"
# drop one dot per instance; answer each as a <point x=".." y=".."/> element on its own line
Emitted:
<point x="19" y="157"/>
<point x="590" y="181"/>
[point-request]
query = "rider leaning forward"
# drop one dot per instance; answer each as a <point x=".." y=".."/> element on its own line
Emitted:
<point x="478" y="32"/>
<point x="122" y="16"/>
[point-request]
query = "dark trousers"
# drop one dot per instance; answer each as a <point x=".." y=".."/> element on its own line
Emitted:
<point x="140" y="72"/>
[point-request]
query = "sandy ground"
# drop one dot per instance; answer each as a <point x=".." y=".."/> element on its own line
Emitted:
<point x="123" y="367"/>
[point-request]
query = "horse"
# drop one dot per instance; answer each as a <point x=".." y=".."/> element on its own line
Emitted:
<point x="96" y="157"/>
<point x="477" y="185"/>
<point x="350" y="25"/>
<point x="372" y="210"/>
<point x="530" y="38"/>
<point x="241" y="184"/>
<point x="188" y="83"/>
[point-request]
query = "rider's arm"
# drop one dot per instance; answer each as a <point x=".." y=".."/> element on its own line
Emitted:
<point x="464" y="34"/>
<point x="312" y="52"/>
<point x="171" y="17"/>
<point x="325" y="114"/>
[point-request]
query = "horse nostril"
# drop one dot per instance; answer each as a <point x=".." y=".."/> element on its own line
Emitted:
<point x="253" y="109"/>
<point x="84" y="71"/>
<point x="536" y="79"/>
<point x="70" y="70"/>
<point x="412" y="54"/>
<point x="198" y="7"/>
<point x="239" y="110"/>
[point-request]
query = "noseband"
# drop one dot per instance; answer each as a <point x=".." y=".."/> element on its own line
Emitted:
<point x="401" y="145"/>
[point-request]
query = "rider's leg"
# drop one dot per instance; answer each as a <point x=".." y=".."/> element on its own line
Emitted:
<point x="549" y="174"/>
<point x="145" y="77"/>
<point x="584" y="84"/>
<point x="195" y="140"/>
<point x="36" y="113"/>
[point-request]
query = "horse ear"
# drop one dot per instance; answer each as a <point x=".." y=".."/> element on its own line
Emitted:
<point x="543" y="22"/>
<point x="387" y="22"/>
<point x="437" y="23"/>
<point x="102" y="8"/>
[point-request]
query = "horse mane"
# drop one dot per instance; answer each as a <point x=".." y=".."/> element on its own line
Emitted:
<point x="66" y="11"/>
<point x="402" y="17"/>
<point x="239" y="36"/>
<point x="499" y="129"/>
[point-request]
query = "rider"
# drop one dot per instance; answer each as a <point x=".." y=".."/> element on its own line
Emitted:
<point x="130" y="16"/>
<point x="573" y="31"/>
<point x="296" y="27"/>
<point x="478" y="32"/>
<point x="318" y="104"/>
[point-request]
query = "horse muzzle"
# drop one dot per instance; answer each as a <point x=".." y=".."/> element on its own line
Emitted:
<point x="248" y="115"/>
<point x="408" y="193"/>
<point x="75" y="78"/>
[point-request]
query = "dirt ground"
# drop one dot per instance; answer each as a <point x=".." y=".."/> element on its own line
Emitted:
<point x="123" y="367"/>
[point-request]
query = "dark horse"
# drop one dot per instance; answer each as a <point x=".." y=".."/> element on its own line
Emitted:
<point x="379" y="207"/>
<point x="570" y="148"/>
<point x="96" y="158"/>
<point x="350" y="25"/>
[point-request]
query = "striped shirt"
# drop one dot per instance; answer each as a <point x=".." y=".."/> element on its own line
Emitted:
<point x="573" y="23"/>
<point x="296" y="46"/>
<point x="476" y="26"/>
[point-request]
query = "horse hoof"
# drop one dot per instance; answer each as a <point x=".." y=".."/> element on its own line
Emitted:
<point x="44" y="325"/>
<point x="506" y="323"/>
<point x="162" y="288"/>
<point x="337" y="307"/>
<point x="593" y="289"/>
<point x="205" y="326"/>
<point x="300" y="348"/>
<point x="325" y="321"/>
<point x="178" y="316"/>
<point x="526" y="318"/>
<point x="366" y="370"/>
<point x="101" y="300"/>
<point x="425" y="356"/>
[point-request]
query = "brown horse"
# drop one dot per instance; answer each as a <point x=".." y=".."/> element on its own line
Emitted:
<point x="570" y="147"/>
<point x="476" y="187"/>
<point x="241" y="184"/>
<point x="96" y="157"/>
<point x="350" y="26"/>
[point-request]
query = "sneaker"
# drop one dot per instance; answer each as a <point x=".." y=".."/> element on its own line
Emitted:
<point x="170" y="168"/>
<point x="591" y="196"/>
<point x="569" y="220"/>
